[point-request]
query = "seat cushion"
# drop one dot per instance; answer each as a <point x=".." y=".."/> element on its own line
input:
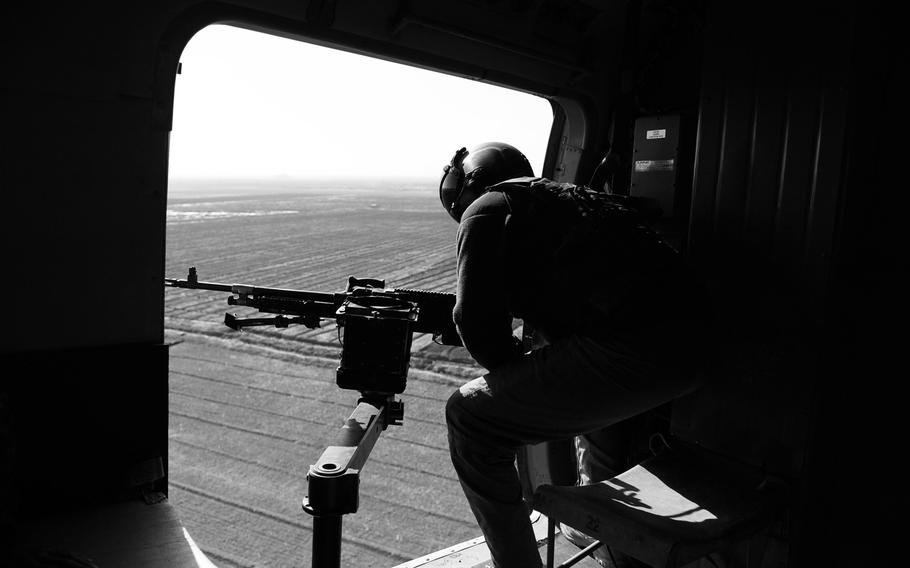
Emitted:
<point x="675" y="507"/>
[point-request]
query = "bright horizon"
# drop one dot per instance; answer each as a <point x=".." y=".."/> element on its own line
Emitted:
<point x="242" y="112"/>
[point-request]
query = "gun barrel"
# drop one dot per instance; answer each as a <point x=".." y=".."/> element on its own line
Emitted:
<point x="256" y="291"/>
<point x="196" y="285"/>
<point x="285" y="293"/>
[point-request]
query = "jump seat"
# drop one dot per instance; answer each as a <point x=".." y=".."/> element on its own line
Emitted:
<point x="671" y="509"/>
<point x="728" y="472"/>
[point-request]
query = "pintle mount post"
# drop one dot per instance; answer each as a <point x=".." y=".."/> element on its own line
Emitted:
<point x="333" y="483"/>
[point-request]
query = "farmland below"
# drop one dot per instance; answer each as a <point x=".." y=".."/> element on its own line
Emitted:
<point x="250" y="411"/>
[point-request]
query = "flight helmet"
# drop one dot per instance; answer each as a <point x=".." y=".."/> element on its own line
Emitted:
<point x="470" y="173"/>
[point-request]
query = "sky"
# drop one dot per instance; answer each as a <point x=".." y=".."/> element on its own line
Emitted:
<point x="251" y="105"/>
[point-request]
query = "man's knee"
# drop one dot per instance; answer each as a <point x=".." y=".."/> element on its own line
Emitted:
<point x="456" y="413"/>
<point x="463" y="406"/>
<point x="453" y="409"/>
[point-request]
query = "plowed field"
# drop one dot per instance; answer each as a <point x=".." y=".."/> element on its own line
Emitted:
<point x="249" y="412"/>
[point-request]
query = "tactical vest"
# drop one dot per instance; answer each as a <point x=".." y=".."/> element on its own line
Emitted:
<point x="581" y="260"/>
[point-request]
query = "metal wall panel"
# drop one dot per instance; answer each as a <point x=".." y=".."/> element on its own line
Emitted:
<point x="766" y="194"/>
<point x="769" y="149"/>
<point x="766" y="158"/>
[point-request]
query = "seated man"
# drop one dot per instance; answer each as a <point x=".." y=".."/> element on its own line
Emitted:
<point x="616" y="319"/>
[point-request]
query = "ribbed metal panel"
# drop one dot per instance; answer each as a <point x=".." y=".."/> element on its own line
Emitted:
<point x="769" y="149"/>
<point x="766" y="191"/>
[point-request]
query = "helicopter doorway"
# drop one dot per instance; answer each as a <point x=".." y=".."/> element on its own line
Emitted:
<point x="295" y="166"/>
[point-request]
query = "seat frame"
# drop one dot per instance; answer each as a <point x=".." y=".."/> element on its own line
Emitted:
<point x="747" y="500"/>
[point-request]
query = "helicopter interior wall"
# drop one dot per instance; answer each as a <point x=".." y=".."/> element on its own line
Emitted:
<point x="780" y="124"/>
<point x="67" y="450"/>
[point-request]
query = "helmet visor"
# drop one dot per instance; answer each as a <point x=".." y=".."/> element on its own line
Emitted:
<point x="451" y="184"/>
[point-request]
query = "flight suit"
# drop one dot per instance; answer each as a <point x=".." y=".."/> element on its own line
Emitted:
<point x="603" y="293"/>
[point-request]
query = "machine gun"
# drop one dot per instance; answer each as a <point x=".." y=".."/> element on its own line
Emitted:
<point x="375" y="325"/>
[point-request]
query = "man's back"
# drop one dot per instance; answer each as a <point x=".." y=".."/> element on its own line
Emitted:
<point x="569" y="259"/>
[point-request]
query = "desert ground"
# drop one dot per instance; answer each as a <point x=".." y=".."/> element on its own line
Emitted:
<point x="250" y="411"/>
